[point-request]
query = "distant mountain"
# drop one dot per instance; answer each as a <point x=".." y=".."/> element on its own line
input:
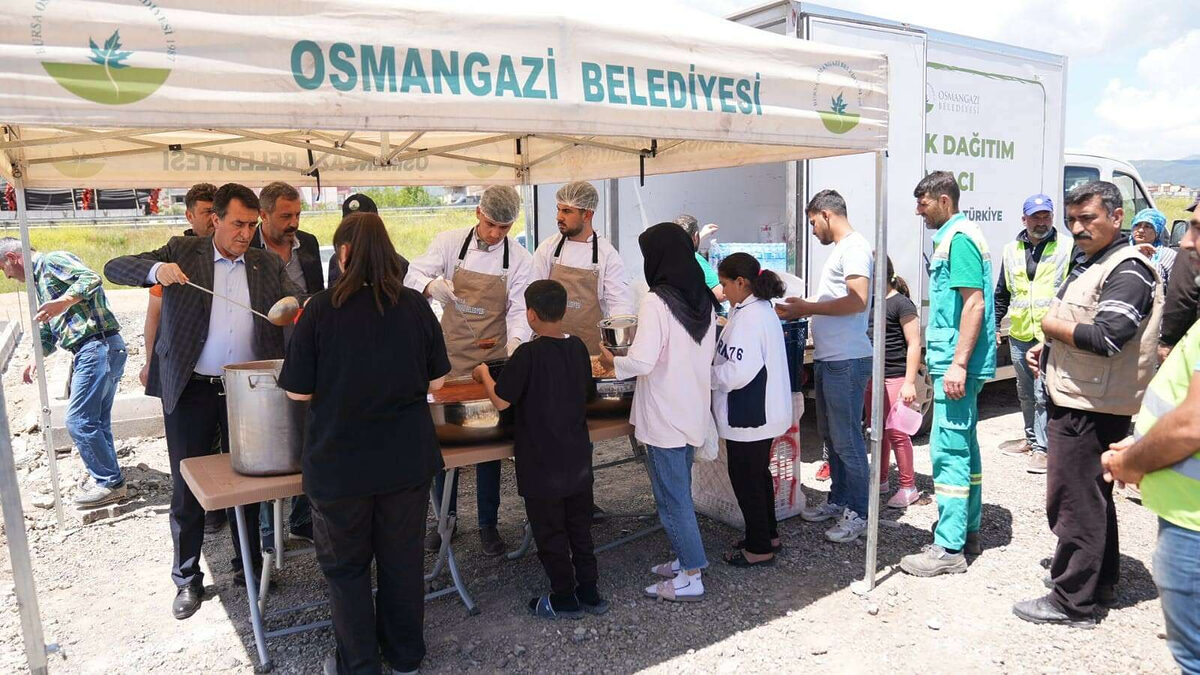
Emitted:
<point x="1179" y="171"/>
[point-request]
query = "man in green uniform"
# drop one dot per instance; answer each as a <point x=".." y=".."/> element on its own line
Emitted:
<point x="1163" y="455"/>
<point x="960" y="348"/>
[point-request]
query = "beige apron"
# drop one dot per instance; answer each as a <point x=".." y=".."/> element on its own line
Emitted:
<point x="483" y="301"/>
<point x="583" y="297"/>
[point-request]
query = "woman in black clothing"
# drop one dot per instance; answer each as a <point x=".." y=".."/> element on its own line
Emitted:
<point x="366" y="353"/>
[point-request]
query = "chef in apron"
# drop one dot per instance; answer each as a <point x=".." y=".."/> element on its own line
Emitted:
<point x="479" y="276"/>
<point x="587" y="266"/>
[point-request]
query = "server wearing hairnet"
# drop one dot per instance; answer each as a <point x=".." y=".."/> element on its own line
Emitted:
<point x="479" y="275"/>
<point x="585" y="264"/>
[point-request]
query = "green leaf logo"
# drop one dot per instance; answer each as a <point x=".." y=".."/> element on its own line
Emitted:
<point x="108" y="79"/>
<point x="836" y="119"/>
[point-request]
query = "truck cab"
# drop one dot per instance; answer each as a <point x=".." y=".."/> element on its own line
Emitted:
<point x="1079" y="168"/>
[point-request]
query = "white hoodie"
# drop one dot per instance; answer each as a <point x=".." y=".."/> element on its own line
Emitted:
<point x="750" y="343"/>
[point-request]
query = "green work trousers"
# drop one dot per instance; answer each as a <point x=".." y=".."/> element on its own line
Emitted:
<point x="957" y="467"/>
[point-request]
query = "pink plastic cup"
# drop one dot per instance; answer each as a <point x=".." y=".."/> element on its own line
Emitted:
<point x="904" y="418"/>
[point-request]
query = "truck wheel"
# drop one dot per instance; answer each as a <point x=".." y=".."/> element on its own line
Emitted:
<point x="925" y="399"/>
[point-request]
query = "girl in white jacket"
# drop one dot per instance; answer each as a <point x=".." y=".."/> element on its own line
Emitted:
<point x="752" y="400"/>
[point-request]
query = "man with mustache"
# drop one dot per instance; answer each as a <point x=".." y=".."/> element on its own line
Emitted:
<point x="1098" y="357"/>
<point x="201" y="334"/>
<point x="279" y="232"/>
<point x="1031" y="270"/>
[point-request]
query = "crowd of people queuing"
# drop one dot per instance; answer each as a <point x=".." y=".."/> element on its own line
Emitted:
<point x="1102" y="336"/>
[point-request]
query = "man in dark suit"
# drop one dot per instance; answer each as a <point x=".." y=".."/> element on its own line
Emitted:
<point x="199" y="335"/>
<point x="279" y="232"/>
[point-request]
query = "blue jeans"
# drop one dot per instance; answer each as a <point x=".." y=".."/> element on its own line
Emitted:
<point x="98" y="367"/>
<point x="1177" y="575"/>
<point x="1031" y="393"/>
<point x="671" y="480"/>
<point x="301" y="514"/>
<point x="487" y="492"/>
<point x="840" y="388"/>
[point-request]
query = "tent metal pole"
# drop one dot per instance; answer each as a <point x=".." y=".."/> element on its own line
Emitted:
<point x="18" y="551"/>
<point x="877" y="389"/>
<point x="39" y="358"/>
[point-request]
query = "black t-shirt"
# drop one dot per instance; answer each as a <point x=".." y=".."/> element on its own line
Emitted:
<point x="369" y="430"/>
<point x="549" y="382"/>
<point x="895" y="347"/>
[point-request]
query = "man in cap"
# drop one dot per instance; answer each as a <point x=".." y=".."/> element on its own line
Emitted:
<point x="479" y="276"/>
<point x="1098" y="357"/>
<point x="1031" y="270"/>
<point x="355" y="203"/>
<point x="1181" y="303"/>
<point x="586" y="264"/>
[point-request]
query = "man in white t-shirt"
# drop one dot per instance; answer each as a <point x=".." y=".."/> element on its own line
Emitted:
<point x="842" y="362"/>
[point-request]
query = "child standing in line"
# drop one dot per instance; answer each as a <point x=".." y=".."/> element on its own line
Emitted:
<point x="549" y="381"/>
<point x="902" y="359"/>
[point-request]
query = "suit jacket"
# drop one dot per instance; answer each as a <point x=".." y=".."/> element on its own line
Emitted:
<point x="183" y="327"/>
<point x="309" y="255"/>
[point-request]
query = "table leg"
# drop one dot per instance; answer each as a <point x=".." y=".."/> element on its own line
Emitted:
<point x="445" y="522"/>
<point x="264" y="584"/>
<point x="463" y="593"/>
<point x="256" y="623"/>
<point x="278" y="514"/>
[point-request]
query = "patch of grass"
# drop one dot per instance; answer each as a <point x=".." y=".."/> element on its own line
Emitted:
<point x="1173" y="208"/>
<point x="411" y="232"/>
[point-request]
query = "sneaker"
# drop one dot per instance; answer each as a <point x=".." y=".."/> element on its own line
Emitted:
<point x="303" y="532"/>
<point x="823" y="472"/>
<point x="848" y="528"/>
<point x="1037" y="462"/>
<point x="904" y="498"/>
<point x="932" y="561"/>
<point x="826" y="511"/>
<point x="1017" y="448"/>
<point x="96" y="495"/>
<point x="683" y="588"/>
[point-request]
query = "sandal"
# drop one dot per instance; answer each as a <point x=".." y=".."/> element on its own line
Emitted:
<point x="665" y="590"/>
<point x="740" y="544"/>
<point x="666" y="570"/>
<point x="542" y="608"/>
<point x="738" y="558"/>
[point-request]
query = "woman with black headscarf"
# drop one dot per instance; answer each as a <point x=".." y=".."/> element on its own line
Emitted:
<point x="671" y="357"/>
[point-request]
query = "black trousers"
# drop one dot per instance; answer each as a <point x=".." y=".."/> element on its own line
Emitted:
<point x="1079" y="505"/>
<point x="562" y="529"/>
<point x="349" y="534"/>
<point x="199" y="416"/>
<point x="750" y="473"/>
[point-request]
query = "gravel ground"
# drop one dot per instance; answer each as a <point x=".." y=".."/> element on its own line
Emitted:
<point x="104" y="587"/>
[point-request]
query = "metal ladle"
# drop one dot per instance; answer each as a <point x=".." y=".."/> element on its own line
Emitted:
<point x="488" y="343"/>
<point x="281" y="313"/>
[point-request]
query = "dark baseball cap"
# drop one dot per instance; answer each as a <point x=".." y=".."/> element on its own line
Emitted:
<point x="1192" y="208"/>
<point x="358" y="203"/>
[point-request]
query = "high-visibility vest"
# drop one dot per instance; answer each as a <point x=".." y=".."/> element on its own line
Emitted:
<point x="1174" y="492"/>
<point x="1030" y="299"/>
<point x="945" y="305"/>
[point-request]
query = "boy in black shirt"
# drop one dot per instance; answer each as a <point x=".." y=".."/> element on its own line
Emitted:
<point x="549" y="380"/>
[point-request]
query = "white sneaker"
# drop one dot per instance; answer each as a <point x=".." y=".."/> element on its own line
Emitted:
<point x="683" y="588"/>
<point x="847" y="529"/>
<point x="826" y="511"/>
<point x="666" y="570"/>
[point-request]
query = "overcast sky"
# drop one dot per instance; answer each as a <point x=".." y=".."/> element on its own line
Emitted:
<point x="1133" y="80"/>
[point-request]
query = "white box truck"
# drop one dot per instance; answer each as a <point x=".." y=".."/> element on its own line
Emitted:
<point x="991" y="113"/>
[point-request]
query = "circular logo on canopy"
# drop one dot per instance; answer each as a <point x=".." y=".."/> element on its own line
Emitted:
<point x="110" y="62"/>
<point x="837" y="96"/>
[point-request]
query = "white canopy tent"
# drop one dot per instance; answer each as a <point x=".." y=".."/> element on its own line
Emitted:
<point x="168" y="93"/>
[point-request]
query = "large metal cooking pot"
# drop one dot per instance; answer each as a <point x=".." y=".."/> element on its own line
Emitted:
<point x="463" y="414"/>
<point x="266" y="428"/>
<point x="616" y="332"/>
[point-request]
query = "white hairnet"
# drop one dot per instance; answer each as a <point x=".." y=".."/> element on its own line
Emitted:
<point x="579" y="194"/>
<point x="500" y="203"/>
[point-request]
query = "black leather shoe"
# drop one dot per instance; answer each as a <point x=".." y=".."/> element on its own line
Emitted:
<point x="187" y="601"/>
<point x="490" y="541"/>
<point x="1106" y="596"/>
<point x="1042" y="610"/>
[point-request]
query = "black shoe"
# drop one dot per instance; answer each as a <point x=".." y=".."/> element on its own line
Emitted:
<point x="303" y="532"/>
<point x="1106" y="596"/>
<point x="490" y="541"/>
<point x="1042" y="610"/>
<point x="214" y="521"/>
<point x="187" y="601"/>
<point x="599" y="515"/>
<point x="433" y="539"/>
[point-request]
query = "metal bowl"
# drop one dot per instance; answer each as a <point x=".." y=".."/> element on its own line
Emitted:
<point x="614" y="397"/>
<point x="617" y="332"/>
<point x="474" y="420"/>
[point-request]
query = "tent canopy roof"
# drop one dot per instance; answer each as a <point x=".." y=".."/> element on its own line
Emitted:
<point x="124" y="92"/>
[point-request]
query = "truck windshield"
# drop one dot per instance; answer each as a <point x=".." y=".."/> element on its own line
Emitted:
<point x="1074" y="176"/>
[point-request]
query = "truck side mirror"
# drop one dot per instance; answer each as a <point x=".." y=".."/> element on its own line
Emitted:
<point x="1178" y="229"/>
